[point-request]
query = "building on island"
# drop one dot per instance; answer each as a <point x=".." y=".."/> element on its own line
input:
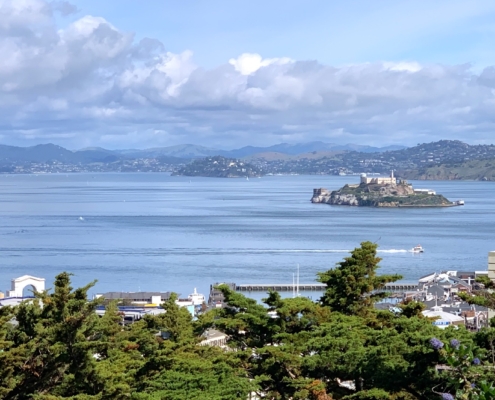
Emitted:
<point x="369" y="180"/>
<point x="390" y="180"/>
<point x="424" y="191"/>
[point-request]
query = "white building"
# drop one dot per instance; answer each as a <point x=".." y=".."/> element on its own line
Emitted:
<point x="379" y="180"/>
<point x="443" y="319"/>
<point x="425" y="191"/>
<point x="491" y="265"/>
<point x="212" y="337"/>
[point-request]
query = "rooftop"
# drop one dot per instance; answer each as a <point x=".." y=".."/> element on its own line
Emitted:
<point x="134" y="295"/>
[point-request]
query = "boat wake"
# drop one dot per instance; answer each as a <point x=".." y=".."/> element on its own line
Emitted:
<point x="191" y="251"/>
<point x="310" y="251"/>
<point x="263" y="251"/>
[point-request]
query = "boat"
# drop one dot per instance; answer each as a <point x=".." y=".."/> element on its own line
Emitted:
<point x="196" y="298"/>
<point x="418" y="249"/>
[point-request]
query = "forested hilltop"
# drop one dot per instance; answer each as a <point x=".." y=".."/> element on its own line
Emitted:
<point x="339" y="347"/>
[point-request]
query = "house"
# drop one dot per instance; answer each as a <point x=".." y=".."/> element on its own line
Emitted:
<point x="443" y="319"/>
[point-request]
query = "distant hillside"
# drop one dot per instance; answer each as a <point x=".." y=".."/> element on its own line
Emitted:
<point x="194" y="151"/>
<point x="305" y="148"/>
<point x="283" y="148"/>
<point x="477" y="170"/>
<point x="314" y="155"/>
<point x="179" y="151"/>
<point x="50" y="152"/>
<point x="366" y="149"/>
<point x="219" y="167"/>
<point x="96" y="154"/>
<point x="436" y="160"/>
<point x="351" y="162"/>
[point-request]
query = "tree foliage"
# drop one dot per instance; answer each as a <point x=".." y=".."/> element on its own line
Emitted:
<point x="56" y="347"/>
<point x="353" y="285"/>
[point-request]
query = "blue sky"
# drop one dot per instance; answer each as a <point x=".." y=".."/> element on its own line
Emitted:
<point x="335" y="33"/>
<point x="123" y="73"/>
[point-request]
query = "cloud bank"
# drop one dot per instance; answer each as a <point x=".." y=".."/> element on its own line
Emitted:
<point x="90" y="84"/>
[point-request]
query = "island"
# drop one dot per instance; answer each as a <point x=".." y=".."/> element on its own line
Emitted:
<point x="219" y="167"/>
<point x="382" y="192"/>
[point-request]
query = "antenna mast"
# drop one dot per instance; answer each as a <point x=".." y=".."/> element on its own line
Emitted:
<point x="297" y="287"/>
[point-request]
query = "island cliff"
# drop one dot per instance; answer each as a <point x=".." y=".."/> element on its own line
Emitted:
<point x="381" y="192"/>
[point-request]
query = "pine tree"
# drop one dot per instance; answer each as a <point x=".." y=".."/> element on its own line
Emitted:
<point x="50" y="351"/>
<point x="353" y="286"/>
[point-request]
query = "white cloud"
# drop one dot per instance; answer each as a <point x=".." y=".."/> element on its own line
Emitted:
<point x="402" y="66"/>
<point x="248" y="63"/>
<point x="90" y="83"/>
<point x="22" y="13"/>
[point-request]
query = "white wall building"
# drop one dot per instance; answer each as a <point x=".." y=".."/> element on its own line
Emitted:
<point x="379" y="180"/>
<point x="18" y="285"/>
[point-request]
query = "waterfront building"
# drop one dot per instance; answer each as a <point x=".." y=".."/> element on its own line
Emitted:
<point x="491" y="265"/>
<point x="443" y="319"/>
<point x="19" y="284"/>
<point x="137" y="298"/>
<point x="216" y="297"/>
<point x="213" y="337"/>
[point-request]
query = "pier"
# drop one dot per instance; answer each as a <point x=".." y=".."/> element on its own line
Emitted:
<point x="313" y="287"/>
<point x="281" y="287"/>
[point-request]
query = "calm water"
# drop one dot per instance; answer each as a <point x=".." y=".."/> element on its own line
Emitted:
<point x="155" y="232"/>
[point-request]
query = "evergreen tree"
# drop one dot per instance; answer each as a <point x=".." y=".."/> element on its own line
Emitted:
<point x="353" y="286"/>
<point x="56" y="347"/>
<point x="484" y="295"/>
<point x="7" y="370"/>
<point x="49" y="350"/>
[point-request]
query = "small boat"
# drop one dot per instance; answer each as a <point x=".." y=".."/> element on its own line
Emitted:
<point x="418" y="249"/>
<point x="196" y="298"/>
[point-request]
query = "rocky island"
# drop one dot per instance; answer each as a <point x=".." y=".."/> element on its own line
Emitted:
<point x="382" y="192"/>
<point x="219" y="167"/>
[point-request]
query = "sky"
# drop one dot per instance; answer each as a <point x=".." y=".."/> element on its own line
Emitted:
<point x="225" y="74"/>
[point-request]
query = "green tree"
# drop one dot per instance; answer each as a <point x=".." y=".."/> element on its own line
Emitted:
<point x="49" y="350"/>
<point x="484" y="296"/>
<point x="353" y="286"/>
<point x="176" y="322"/>
<point x="7" y="371"/>
<point x="270" y="341"/>
<point x="58" y="348"/>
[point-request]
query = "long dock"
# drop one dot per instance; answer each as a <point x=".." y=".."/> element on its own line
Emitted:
<point x="281" y="287"/>
<point x="313" y="287"/>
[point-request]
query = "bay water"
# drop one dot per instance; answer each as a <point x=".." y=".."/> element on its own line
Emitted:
<point x="156" y="232"/>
